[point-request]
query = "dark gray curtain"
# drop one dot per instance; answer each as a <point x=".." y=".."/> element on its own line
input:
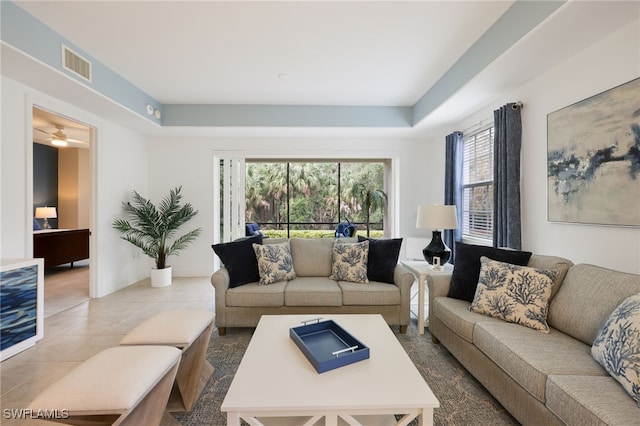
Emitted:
<point x="453" y="187"/>
<point x="506" y="176"/>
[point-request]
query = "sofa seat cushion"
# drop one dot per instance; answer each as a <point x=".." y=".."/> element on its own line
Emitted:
<point x="529" y="356"/>
<point x="373" y="293"/>
<point x="590" y="400"/>
<point x="313" y="291"/>
<point x="455" y="314"/>
<point x="254" y="294"/>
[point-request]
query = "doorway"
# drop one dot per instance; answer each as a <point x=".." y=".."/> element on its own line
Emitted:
<point x="62" y="199"/>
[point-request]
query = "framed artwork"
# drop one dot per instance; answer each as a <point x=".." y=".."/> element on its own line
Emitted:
<point x="593" y="159"/>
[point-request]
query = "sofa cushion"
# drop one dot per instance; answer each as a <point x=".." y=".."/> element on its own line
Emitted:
<point x="529" y="356"/>
<point x="254" y="294"/>
<point x="374" y="293"/>
<point x="383" y="258"/>
<point x="350" y="262"/>
<point x="240" y="260"/>
<point x="312" y="257"/>
<point x="587" y="297"/>
<point x="455" y="314"/>
<point x="590" y="400"/>
<point x="274" y="262"/>
<point x="466" y="268"/>
<point x="617" y="346"/>
<point x="513" y="293"/>
<point x="313" y="291"/>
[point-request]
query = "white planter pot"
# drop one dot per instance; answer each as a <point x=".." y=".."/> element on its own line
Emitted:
<point x="161" y="277"/>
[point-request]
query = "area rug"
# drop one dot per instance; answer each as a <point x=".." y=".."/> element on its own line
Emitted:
<point x="463" y="400"/>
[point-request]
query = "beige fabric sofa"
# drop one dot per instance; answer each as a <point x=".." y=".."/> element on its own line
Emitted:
<point x="543" y="379"/>
<point x="311" y="292"/>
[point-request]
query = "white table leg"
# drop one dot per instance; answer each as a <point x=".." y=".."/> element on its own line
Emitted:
<point x="233" y="418"/>
<point x="421" y="320"/>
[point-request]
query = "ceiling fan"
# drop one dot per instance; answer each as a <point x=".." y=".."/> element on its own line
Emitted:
<point x="59" y="138"/>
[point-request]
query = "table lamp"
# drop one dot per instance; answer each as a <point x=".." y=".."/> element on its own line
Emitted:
<point x="437" y="217"/>
<point x="46" y="213"/>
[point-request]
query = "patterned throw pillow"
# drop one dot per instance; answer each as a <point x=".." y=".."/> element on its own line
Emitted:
<point x="617" y="347"/>
<point x="350" y="262"/>
<point x="513" y="293"/>
<point x="274" y="262"/>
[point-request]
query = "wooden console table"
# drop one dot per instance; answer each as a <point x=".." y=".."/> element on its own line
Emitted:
<point x="60" y="246"/>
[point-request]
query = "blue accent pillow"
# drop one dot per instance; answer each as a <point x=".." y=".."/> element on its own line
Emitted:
<point x="240" y="260"/>
<point x="617" y="346"/>
<point x="383" y="258"/>
<point x="36" y="225"/>
<point x="466" y="268"/>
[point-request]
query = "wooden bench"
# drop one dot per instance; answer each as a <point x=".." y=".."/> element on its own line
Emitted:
<point x="123" y="385"/>
<point x="189" y="331"/>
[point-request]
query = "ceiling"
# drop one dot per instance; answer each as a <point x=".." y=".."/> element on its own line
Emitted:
<point x="356" y="53"/>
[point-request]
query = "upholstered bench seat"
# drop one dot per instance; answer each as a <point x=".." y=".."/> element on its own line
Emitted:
<point x="123" y="385"/>
<point x="189" y="331"/>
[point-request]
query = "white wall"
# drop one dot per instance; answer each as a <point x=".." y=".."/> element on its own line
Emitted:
<point x="189" y="162"/>
<point x="606" y="64"/>
<point x="120" y="164"/>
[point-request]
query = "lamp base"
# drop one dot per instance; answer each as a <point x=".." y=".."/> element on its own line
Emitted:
<point x="436" y="249"/>
<point x="45" y="224"/>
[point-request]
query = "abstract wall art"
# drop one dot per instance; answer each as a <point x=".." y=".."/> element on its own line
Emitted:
<point x="593" y="159"/>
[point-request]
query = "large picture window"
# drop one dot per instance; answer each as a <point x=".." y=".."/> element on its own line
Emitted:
<point x="308" y="199"/>
<point x="477" y="185"/>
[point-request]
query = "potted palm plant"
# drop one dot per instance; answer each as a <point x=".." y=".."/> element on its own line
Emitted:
<point x="152" y="229"/>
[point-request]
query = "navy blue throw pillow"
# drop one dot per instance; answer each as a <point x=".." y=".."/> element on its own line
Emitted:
<point x="240" y="260"/>
<point x="383" y="258"/>
<point x="466" y="268"/>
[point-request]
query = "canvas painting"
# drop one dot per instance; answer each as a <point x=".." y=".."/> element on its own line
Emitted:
<point x="593" y="159"/>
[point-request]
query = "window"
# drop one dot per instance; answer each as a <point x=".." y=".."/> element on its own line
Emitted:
<point x="308" y="199"/>
<point x="477" y="185"/>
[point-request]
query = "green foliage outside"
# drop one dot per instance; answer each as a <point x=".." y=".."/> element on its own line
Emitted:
<point x="308" y="233"/>
<point x="312" y="195"/>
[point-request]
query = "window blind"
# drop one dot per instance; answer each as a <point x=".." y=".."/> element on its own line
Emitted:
<point x="477" y="184"/>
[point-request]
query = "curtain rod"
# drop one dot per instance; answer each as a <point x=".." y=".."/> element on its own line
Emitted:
<point x="483" y="122"/>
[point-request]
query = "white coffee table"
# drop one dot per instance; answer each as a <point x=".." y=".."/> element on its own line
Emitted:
<point x="276" y="384"/>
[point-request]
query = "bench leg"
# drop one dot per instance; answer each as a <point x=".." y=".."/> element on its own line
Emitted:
<point x="195" y="371"/>
<point x="222" y="331"/>
<point x="152" y="407"/>
<point x="403" y="329"/>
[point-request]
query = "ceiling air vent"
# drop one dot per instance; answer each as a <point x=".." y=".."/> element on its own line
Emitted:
<point x="75" y="63"/>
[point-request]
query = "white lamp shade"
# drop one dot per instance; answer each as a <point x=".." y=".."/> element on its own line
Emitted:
<point x="437" y="217"/>
<point x="46" y="213"/>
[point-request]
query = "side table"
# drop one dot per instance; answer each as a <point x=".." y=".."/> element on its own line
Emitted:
<point x="421" y="269"/>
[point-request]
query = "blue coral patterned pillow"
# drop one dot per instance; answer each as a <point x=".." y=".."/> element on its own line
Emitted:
<point x="350" y="262"/>
<point x="617" y="347"/>
<point x="512" y="293"/>
<point x="274" y="262"/>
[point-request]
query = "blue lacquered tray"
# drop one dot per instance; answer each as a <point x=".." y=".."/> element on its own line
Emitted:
<point x="327" y="345"/>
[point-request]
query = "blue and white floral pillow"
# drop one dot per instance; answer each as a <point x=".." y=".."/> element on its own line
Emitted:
<point x="274" y="262"/>
<point x="617" y="347"/>
<point x="512" y="293"/>
<point x="350" y="262"/>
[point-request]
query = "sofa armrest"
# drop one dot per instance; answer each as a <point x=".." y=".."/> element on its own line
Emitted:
<point x="404" y="280"/>
<point x="438" y="285"/>
<point x="220" y="281"/>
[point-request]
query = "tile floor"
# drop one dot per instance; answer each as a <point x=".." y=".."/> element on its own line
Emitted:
<point x="73" y="334"/>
